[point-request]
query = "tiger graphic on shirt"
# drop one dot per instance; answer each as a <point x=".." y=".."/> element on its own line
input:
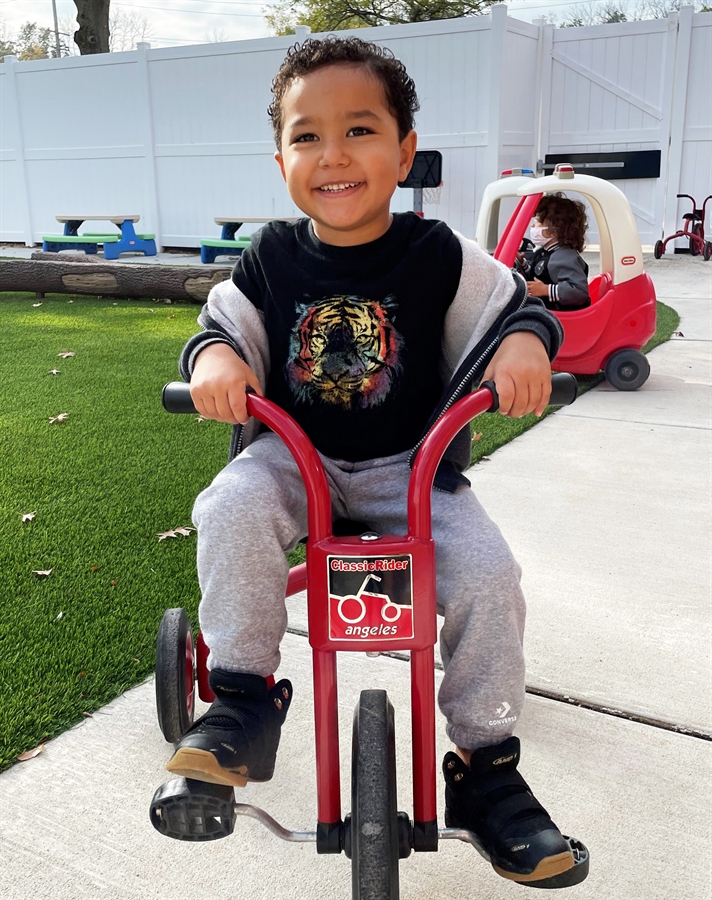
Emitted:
<point x="345" y="351"/>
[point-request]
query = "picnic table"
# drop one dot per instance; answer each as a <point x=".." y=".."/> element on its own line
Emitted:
<point x="125" y="241"/>
<point x="227" y="243"/>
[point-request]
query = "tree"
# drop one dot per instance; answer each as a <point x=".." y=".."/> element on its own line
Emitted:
<point x="336" y="15"/>
<point x="126" y="29"/>
<point x="93" y="33"/>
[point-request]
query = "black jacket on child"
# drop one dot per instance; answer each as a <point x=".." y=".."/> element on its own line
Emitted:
<point x="565" y="271"/>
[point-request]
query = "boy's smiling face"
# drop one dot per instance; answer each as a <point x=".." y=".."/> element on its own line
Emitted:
<point x="341" y="155"/>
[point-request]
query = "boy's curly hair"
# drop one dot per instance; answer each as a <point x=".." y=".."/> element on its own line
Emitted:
<point x="398" y="86"/>
<point x="568" y="217"/>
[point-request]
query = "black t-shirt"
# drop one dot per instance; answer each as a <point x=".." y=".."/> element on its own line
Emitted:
<point x="354" y="332"/>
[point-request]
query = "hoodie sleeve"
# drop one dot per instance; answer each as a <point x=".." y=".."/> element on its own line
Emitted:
<point x="534" y="317"/>
<point x="229" y="317"/>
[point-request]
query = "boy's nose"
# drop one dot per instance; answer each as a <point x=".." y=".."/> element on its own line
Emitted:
<point x="333" y="154"/>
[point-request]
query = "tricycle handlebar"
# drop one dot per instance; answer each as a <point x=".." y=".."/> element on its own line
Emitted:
<point x="176" y="395"/>
<point x="176" y="399"/>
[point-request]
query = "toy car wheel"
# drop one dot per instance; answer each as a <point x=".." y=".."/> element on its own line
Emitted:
<point x="708" y="251"/>
<point x="175" y="675"/>
<point x="374" y="817"/>
<point x="694" y="246"/>
<point x="627" y="370"/>
<point x="659" y="249"/>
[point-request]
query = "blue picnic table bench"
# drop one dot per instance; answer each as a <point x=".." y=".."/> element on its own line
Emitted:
<point x="228" y="244"/>
<point x="124" y="241"/>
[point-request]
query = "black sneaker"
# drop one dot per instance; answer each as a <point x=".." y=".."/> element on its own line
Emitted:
<point x="236" y="740"/>
<point x="492" y="799"/>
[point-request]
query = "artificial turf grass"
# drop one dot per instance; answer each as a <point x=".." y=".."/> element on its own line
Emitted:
<point x="496" y="431"/>
<point x="103" y="484"/>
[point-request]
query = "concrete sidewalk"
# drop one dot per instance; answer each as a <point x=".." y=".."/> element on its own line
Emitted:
<point x="607" y="507"/>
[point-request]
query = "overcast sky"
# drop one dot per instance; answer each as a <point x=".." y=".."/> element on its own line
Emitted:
<point x="176" y="22"/>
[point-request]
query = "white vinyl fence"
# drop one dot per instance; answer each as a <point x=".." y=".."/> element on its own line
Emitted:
<point x="181" y="135"/>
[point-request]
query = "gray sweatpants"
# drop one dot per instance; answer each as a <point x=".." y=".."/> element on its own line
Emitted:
<point x="255" y="509"/>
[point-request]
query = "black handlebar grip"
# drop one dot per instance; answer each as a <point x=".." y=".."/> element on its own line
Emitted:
<point x="564" y="390"/>
<point x="176" y="398"/>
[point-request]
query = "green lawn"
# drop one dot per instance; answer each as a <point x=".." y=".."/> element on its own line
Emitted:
<point x="102" y="485"/>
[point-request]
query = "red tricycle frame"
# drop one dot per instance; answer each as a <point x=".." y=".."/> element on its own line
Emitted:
<point x="190" y="810"/>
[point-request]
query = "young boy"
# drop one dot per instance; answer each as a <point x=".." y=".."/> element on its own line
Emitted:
<point x="559" y="275"/>
<point x="353" y="320"/>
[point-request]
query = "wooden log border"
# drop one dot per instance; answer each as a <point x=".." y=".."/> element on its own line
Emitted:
<point x="45" y="273"/>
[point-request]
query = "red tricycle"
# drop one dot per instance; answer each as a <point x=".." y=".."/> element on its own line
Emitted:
<point x="196" y="811"/>
<point x="693" y="230"/>
<point x="610" y="333"/>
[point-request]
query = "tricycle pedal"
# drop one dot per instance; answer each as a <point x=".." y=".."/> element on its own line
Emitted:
<point x="190" y="810"/>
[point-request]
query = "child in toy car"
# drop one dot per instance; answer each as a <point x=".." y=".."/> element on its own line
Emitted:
<point x="555" y="271"/>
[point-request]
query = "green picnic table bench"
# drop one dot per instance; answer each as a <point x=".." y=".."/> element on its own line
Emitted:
<point x="227" y="244"/>
<point x="124" y="241"/>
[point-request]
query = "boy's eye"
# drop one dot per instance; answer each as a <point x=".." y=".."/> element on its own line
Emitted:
<point x="303" y="138"/>
<point x="358" y="130"/>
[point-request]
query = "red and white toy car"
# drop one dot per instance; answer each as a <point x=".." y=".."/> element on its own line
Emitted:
<point x="610" y="333"/>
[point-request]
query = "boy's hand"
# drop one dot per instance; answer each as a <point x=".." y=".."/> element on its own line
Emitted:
<point x="218" y="384"/>
<point x="537" y="288"/>
<point x="521" y="372"/>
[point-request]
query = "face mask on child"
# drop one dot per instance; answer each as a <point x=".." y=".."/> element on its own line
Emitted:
<point x="536" y="234"/>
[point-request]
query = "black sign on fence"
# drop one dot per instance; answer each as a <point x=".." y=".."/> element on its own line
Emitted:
<point x="611" y="166"/>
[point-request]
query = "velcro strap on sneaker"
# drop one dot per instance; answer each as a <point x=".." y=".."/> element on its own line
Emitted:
<point x="515" y="807"/>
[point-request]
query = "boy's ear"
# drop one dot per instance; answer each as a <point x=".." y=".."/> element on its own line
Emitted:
<point x="280" y="163"/>
<point x="408" y="146"/>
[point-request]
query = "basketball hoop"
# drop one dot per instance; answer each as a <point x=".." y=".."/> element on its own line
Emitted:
<point x="431" y="195"/>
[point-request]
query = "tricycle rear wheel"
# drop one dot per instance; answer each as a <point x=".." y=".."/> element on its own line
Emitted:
<point x="374" y="817"/>
<point x="659" y="249"/>
<point x="175" y="674"/>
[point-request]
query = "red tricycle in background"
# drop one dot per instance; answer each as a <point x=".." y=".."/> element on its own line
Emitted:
<point x="693" y="230"/>
<point x="610" y="333"/>
<point x="378" y="615"/>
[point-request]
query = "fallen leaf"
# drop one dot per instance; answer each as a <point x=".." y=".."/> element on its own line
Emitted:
<point x="485" y="458"/>
<point x="152" y="310"/>
<point x="70" y="301"/>
<point x="172" y="316"/>
<point x="87" y="715"/>
<point x="137" y="661"/>
<point x="82" y="674"/>
<point x="59" y="419"/>
<point x="114" y="304"/>
<point x="28" y="517"/>
<point x="113" y="583"/>
<point x="476" y="436"/>
<point x="95" y="568"/>
<point x="200" y="419"/>
<point x="54" y="372"/>
<point x="37" y="304"/>
<point x="166" y="534"/>
<point x="43" y="573"/>
<point x="184" y="530"/>
<point x="678" y="334"/>
<point x="66" y="353"/>
<point x="31" y="754"/>
<point x="59" y="617"/>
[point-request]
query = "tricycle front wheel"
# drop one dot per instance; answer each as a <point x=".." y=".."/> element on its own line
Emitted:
<point x="374" y="817"/>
